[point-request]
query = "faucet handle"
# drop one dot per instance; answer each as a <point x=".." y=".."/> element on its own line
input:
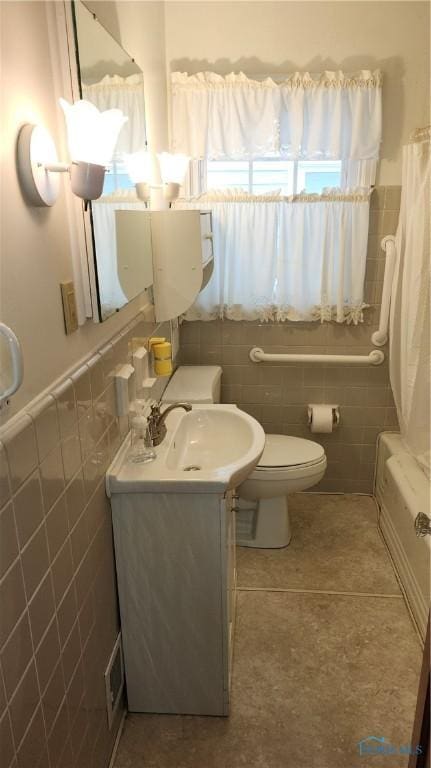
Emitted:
<point x="155" y="409"/>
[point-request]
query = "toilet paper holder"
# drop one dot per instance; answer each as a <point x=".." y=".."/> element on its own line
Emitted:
<point x="335" y="413"/>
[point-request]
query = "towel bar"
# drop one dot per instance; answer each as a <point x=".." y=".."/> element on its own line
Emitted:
<point x="16" y="363"/>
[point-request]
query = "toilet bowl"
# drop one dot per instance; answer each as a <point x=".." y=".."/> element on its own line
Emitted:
<point x="287" y="465"/>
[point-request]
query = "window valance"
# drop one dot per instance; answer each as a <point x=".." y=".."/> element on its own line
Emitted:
<point x="332" y="115"/>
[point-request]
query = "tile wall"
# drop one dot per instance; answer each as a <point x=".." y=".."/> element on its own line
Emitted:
<point x="58" y="605"/>
<point x="278" y="395"/>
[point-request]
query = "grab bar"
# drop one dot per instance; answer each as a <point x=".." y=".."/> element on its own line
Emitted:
<point x="17" y="363"/>
<point x="376" y="357"/>
<point x="380" y="337"/>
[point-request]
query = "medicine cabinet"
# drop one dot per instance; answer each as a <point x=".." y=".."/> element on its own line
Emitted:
<point x="129" y="248"/>
<point x="181" y="249"/>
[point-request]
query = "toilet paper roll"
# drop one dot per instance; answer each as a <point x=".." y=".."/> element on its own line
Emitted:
<point x="321" y="418"/>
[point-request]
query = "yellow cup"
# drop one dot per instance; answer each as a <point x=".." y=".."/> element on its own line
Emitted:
<point x="162" y="352"/>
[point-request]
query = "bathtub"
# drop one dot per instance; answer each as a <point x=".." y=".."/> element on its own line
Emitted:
<point x="402" y="491"/>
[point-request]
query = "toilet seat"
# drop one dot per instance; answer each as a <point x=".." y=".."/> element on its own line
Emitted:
<point x="287" y="465"/>
<point x="288" y="457"/>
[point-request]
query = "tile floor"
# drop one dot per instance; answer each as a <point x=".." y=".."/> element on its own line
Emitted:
<point x="325" y="655"/>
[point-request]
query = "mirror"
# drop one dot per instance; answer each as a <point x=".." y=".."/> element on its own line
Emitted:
<point x="110" y="78"/>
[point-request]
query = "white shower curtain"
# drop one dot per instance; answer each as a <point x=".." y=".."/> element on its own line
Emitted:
<point x="410" y="306"/>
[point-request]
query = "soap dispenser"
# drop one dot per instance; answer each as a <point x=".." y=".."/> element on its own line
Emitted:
<point x="141" y="450"/>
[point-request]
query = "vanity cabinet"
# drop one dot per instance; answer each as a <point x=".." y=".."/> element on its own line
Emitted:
<point x="175" y="557"/>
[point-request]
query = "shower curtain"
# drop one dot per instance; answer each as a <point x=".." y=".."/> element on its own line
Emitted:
<point x="410" y="306"/>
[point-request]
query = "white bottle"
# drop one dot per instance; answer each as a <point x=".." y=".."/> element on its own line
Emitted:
<point x="141" y="451"/>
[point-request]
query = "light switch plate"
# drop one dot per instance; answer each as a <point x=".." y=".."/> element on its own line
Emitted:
<point x="69" y="307"/>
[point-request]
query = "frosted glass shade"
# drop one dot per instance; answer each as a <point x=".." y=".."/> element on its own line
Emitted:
<point x="91" y="134"/>
<point x="138" y="166"/>
<point x="173" y="168"/>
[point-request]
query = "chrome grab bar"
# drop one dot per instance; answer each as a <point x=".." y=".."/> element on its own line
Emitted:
<point x="17" y="362"/>
<point x="376" y="357"/>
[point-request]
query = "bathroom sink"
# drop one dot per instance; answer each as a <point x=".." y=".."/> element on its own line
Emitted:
<point x="210" y="449"/>
<point x="209" y="439"/>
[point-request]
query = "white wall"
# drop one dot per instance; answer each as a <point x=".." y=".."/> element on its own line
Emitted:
<point x="276" y="37"/>
<point x="35" y="253"/>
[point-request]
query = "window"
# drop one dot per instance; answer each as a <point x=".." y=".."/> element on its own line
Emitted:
<point x="116" y="177"/>
<point x="281" y="256"/>
<point x="260" y="176"/>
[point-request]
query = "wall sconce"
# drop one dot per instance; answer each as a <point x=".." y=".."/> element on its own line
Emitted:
<point x="138" y="165"/>
<point x="173" y="169"/>
<point x="92" y="136"/>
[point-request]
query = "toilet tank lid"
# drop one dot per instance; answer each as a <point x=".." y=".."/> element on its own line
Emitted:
<point x="193" y="383"/>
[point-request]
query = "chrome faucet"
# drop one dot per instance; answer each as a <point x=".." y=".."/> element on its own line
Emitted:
<point x="156" y="421"/>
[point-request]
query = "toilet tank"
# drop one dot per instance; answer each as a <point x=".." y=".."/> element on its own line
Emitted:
<point x="194" y="384"/>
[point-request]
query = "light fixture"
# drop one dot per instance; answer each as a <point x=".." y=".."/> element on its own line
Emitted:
<point x="138" y="165"/>
<point x="173" y="169"/>
<point x="36" y="150"/>
<point x="92" y="136"/>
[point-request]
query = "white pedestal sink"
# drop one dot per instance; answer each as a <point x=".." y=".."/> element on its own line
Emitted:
<point x="208" y="450"/>
<point x="174" y="535"/>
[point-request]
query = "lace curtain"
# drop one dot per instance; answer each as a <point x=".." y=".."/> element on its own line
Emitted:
<point x="299" y="258"/>
<point x="285" y="258"/>
<point x="328" y="116"/>
<point x="127" y="94"/>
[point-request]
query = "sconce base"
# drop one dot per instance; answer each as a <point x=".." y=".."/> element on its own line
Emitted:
<point x="171" y="190"/>
<point x="86" y="180"/>
<point x="35" y="150"/>
<point x="143" y="191"/>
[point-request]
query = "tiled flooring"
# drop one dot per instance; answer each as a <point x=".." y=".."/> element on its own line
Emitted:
<point x="325" y="655"/>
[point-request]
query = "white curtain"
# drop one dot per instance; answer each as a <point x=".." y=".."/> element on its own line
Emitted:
<point x="327" y="116"/>
<point x="410" y="306"/>
<point x="103" y="211"/>
<point x="275" y="258"/>
<point x="127" y="94"/>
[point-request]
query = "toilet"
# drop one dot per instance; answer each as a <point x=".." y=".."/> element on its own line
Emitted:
<point x="287" y="465"/>
<point x="194" y="384"/>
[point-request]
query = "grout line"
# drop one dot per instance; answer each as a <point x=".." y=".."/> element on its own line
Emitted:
<point x="117" y="739"/>
<point x="318" y="592"/>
